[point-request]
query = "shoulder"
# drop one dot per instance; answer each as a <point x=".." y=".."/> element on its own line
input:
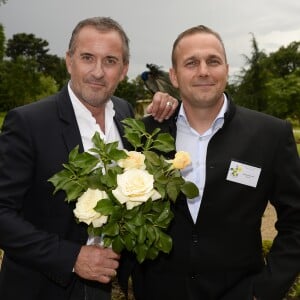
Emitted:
<point x="41" y="106"/>
<point x="120" y="101"/>
<point x="122" y="107"/>
<point x="256" y="118"/>
<point x="40" y="113"/>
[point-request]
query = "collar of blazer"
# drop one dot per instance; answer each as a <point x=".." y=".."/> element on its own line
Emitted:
<point x="70" y="128"/>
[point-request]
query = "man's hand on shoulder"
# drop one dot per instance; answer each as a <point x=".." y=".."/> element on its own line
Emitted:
<point x="162" y="106"/>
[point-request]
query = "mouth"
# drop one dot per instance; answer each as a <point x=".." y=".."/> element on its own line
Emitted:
<point x="96" y="84"/>
<point x="203" y="84"/>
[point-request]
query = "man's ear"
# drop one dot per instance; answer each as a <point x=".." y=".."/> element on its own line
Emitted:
<point x="124" y="72"/>
<point x="173" y="77"/>
<point x="68" y="60"/>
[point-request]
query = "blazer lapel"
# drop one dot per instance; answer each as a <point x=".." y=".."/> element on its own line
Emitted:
<point x="70" y="129"/>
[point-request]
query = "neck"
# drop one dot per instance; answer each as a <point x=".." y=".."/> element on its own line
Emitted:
<point x="99" y="114"/>
<point x="202" y="118"/>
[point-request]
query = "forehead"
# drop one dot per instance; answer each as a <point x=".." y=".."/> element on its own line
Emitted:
<point x="199" y="44"/>
<point x="93" y="39"/>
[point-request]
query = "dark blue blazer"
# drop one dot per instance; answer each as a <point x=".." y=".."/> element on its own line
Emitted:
<point x="38" y="232"/>
<point x="220" y="257"/>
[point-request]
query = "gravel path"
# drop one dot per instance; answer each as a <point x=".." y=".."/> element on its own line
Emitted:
<point x="268" y="230"/>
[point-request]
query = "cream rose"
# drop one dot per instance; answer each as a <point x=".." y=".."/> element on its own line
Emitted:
<point x="85" y="205"/>
<point x="135" y="160"/>
<point x="181" y="160"/>
<point x="135" y="187"/>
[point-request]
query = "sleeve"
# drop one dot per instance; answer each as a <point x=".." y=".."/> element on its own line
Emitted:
<point x="283" y="261"/>
<point x="21" y="240"/>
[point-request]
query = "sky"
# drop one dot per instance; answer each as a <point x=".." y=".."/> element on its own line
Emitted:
<point x="152" y="26"/>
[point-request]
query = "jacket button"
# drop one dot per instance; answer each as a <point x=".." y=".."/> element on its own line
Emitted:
<point x="195" y="239"/>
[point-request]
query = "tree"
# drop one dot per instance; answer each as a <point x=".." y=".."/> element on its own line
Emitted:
<point x="285" y="60"/>
<point x="36" y="49"/>
<point x="250" y="92"/>
<point x="26" y="45"/>
<point x="132" y="90"/>
<point x="2" y="42"/>
<point x="21" y="83"/>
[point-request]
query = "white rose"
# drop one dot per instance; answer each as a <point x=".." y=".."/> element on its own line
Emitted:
<point x="85" y="205"/>
<point x="135" y="160"/>
<point x="135" y="187"/>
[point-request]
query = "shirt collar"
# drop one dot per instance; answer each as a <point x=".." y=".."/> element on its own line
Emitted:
<point x="82" y="113"/>
<point x="217" y="123"/>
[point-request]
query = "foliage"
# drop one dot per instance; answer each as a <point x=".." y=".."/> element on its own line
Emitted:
<point x="34" y="84"/>
<point x="132" y="90"/>
<point x="137" y="213"/>
<point x="2" y="42"/>
<point x="270" y="83"/>
<point x="26" y="45"/>
<point x="28" y="72"/>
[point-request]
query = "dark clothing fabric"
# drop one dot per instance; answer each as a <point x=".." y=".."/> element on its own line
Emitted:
<point x="38" y="232"/>
<point x="220" y="257"/>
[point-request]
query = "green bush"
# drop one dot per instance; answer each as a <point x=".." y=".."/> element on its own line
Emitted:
<point x="2" y="115"/>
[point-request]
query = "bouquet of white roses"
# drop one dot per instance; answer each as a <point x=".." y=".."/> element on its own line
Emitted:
<point x="124" y="196"/>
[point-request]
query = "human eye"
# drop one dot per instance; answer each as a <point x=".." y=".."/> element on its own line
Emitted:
<point x="110" y="61"/>
<point x="214" y="61"/>
<point x="191" y="63"/>
<point x="86" y="57"/>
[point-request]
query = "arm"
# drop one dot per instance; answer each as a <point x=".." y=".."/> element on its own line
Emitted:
<point x="25" y="233"/>
<point x="162" y="106"/>
<point x="283" y="261"/>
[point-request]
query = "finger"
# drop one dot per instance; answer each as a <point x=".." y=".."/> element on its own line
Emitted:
<point x="149" y="108"/>
<point x="107" y="275"/>
<point x="168" y="110"/>
<point x="158" y="104"/>
<point x="108" y="253"/>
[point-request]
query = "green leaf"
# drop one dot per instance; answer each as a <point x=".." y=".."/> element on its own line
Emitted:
<point x="107" y="241"/>
<point x="109" y="180"/>
<point x="141" y="251"/>
<point x="118" y="244"/>
<point x="165" y="213"/>
<point x="152" y="253"/>
<point x="131" y="228"/>
<point x="150" y="234"/>
<point x="141" y="234"/>
<point x="134" y="124"/>
<point x="173" y="190"/>
<point x="152" y="159"/>
<point x="134" y="139"/>
<point x="84" y="163"/>
<point x="165" y="242"/>
<point x="104" y="207"/>
<point x="98" y="141"/>
<point x="129" y="241"/>
<point x="138" y="219"/>
<point x="147" y="206"/>
<point x="164" y="143"/>
<point x="190" y="190"/>
<point x="117" y="154"/>
<point x="111" y="229"/>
